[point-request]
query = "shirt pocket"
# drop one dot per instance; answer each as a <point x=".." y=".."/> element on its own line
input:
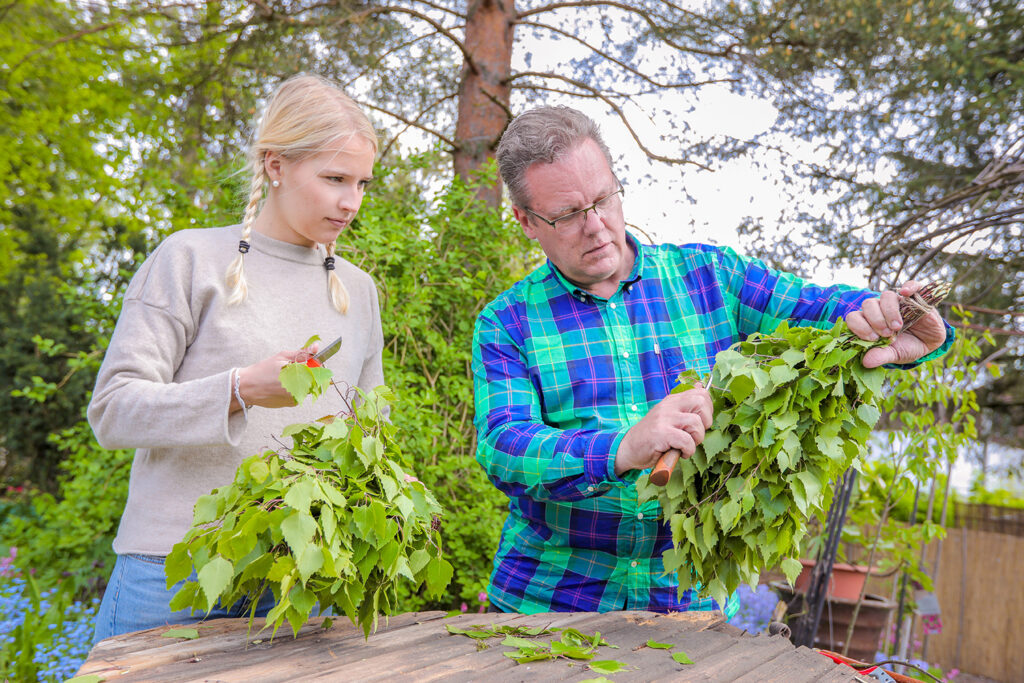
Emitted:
<point x="662" y="373"/>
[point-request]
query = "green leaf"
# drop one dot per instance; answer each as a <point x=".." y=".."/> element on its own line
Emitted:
<point x="740" y="387"/>
<point x="303" y="600"/>
<point x="475" y="632"/>
<point x="439" y="574"/>
<point x="791" y="568"/>
<point x="606" y="666"/>
<point x="571" y="651"/>
<point x="310" y="560"/>
<point x="522" y="643"/>
<point x="729" y="362"/>
<point x="530" y="657"/>
<point x="660" y="646"/>
<point x="214" y="578"/>
<point x="682" y="658"/>
<point x="300" y="495"/>
<point x="727" y="514"/>
<point x="186" y="597"/>
<point x="783" y="374"/>
<point x="206" y="509"/>
<point x="298" y="529"/>
<point x="714" y="443"/>
<point x="259" y="471"/>
<point x="297" y="380"/>
<point x="868" y="413"/>
<point x="812" y="486"/>
<point x="178" y="564"/>
<point x="185" y="633"/>
<point x="337" y="429"/>
<point x="418" y="560"/>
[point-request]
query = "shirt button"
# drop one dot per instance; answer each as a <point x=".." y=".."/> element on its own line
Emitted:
<point x="633" y="407"/>
<point x="611" y="306"/>
<point x="590" y="488"/>
<point x="633" y="563"/>
<point x="639" y="515"/>
<point x="625" y="354"/>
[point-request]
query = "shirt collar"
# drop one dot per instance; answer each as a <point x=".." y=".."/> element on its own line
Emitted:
<point x="634" y="274"/>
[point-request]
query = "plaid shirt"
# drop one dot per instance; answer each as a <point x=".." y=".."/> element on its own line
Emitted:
<point x="560" y="375"/>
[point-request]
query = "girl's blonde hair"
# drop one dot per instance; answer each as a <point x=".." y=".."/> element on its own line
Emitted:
<point x="304" y="116"/>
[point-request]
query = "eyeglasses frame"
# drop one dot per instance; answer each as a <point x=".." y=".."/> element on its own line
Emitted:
<point x="592" y="207"/>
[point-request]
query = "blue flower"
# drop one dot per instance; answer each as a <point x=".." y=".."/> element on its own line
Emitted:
<point x="756" y="608"/>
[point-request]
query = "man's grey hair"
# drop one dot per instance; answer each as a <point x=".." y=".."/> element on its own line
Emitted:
<point x="543" y="135"/>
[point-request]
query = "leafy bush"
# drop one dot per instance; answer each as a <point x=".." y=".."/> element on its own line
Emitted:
<point x="994" y="490"/>
<point x="67" y="539"/>
<point x="437" y="265"/>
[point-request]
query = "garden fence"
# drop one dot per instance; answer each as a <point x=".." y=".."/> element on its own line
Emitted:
<point x="995" y="518"/>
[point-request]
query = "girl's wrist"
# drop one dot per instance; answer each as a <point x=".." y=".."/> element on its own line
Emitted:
<point x="237" y="397"/>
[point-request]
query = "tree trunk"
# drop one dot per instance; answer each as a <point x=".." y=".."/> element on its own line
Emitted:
<point x="484" y="90"/>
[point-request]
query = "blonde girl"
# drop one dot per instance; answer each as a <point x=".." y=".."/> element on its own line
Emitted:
<point x="190" y="379"/>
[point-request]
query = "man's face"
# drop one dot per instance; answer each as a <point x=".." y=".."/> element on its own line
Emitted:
<point x="595" y="256"/>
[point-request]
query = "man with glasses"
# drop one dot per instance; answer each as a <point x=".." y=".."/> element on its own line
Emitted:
<point x="574" y="364"/>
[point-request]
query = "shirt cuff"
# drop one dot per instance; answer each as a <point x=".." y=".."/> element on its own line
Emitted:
<point x="599" y="463"/>
<point x="937" y="353"/>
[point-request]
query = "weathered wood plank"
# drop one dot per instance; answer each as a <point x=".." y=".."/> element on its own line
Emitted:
<point x="799" y="665"/>
<point x="416" y="646"/>
<point x="140" y="655"/>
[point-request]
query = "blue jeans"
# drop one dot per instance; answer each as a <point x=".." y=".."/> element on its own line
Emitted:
<point x="137" y="598"/>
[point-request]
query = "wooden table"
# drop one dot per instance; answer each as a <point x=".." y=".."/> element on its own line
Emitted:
<point x="416" y="646"/>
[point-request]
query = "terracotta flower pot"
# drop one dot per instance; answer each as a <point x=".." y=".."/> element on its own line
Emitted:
<point x="845" y="584"/>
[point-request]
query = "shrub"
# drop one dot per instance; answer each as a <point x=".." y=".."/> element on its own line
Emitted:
<point x="437" y="265"/>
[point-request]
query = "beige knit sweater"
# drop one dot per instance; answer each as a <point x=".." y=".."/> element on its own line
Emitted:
<point x="164" y="386"/>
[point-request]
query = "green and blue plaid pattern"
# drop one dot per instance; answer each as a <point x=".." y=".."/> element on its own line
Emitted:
<point x="561" y="375"/>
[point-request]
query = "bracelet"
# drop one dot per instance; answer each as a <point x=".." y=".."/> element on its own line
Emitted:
<point x="238" y="394"/>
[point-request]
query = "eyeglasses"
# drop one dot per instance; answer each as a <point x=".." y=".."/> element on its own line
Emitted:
<point x="577" y="219"/>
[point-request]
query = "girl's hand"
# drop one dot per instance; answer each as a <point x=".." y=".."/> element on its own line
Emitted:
<point x="259" y="383"/>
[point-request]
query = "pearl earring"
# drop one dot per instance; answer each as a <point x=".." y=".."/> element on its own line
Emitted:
<point x="276" y="183"/>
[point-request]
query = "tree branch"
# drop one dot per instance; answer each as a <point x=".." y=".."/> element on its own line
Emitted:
<point x="415" y="122"/>
<point x="594" y="92"/>
<point x="643" y="14"/>
<point x="409" y="122"/>
<point x="604" y="55"/>
<point x="388" y="9"/>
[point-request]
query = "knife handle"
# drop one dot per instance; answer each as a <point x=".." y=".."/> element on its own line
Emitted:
<point x="663" y="470"/>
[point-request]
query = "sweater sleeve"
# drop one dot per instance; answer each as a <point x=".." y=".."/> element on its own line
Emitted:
<point x="137" y="403"/>
<point x="372" y="373"/>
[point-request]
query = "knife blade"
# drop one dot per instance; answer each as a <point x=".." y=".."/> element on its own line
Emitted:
<point x="328" y="351"/>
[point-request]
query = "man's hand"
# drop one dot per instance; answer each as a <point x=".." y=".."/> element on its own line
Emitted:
<point x="677" y="421"/>
<point x="880" y="317"/>
<point x="260" y="383"/>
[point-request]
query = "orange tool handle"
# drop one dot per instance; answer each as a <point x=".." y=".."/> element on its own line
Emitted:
<point x="663" y="470"/>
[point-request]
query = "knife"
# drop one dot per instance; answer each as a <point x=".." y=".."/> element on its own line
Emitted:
<point x="328" y="351"/>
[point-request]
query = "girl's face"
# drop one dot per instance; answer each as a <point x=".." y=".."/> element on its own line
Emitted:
<point x="318" y="196"/>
